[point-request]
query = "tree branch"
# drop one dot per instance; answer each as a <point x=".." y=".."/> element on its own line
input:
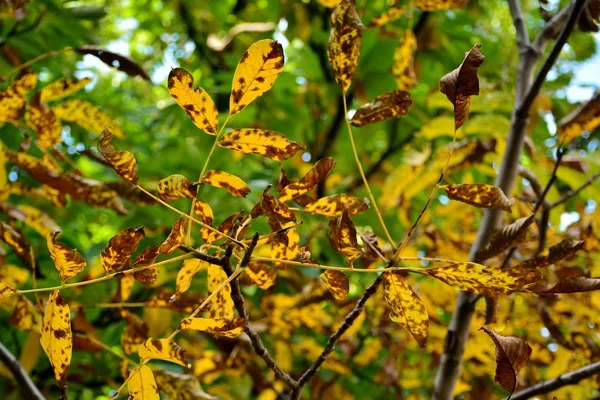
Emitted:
<point x="569" y="378"/>
<point x="571" y="193"/>
<point x="26" y="385"/>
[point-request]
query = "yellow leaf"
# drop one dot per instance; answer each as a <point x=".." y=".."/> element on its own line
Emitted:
<point x="12" y="100"/>
<point x="6" y="291"/>
<point x="38" y="220"/>
<point x="141" y="384"/>
<point x="404" y="62"/>
<point x="255" y="74"/>
<point x="266" y="143"/>
<point x="342" y="237"/>
<point x="228" y="327"/>
<point x="62" y="88"/>
<point x="210" y="236"/>
<point x="479" y="195"/>
<point x="123" y="162"/>
<point x="343" y="47"/>
<point x="202" y="209"/>
<point x="334" y="205"/>
<point x="435" y="5"/>
<point x="584" y="118"/>
<point x="68" y="261"/>
<point x="187" y="272"/>
<point x="175" y="238"/>
<point x="44" y="122"/>
<point x="3" y="176"/>
<point x="388" y="105"/>
<point x="56" y="339"/>
<point x="310" y="181"/>
<point x="178" y="386"/>
<point x="120" y="247"/>
<point x="483" y="280"/>
<point x="337" y="283"/>
<point x="329" y="3"/>
<point x="30" y="352"/>
<point x="88" y="116"/>
<point x="408" y="310"/>
<point x="224" y="180"/>
<point x="196" y="103"/>
<point x="16" y="241"/>
<point x="175" y="187"/>
<point x="222" y="303"/>
<point x="286" y="246"/>
<point x="23" y="317"/>
<point x="163" y="349"/>
<point x="261" y="274"/>
<point x="392" y="14"/>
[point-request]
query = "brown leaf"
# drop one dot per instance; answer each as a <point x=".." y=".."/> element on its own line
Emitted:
<point x="44" y="122"/>
<point x="175" y="238"/>
<point x="147" y="277"/>
<point x="123" y="162"/>
<point x="118" y="61"/>
<point x="120" y="247"/>
<point x="479" y="195"/>
<point x="462" y="83"/>
<point x="337" y="283"/>
<point x="509" y="236"/>
<point x="584" y="118"/>
<point x="574" y="284"/>
<point x="342" y="237"/>
<point x="334" y="205"/>
<point x="512" y="353"/>
<point x="310" y="181"/>
<point x="225" y="227"/>
<point x="389" y="105"/>
<point x="565" y="248"/>
<point x="277" y="212"/>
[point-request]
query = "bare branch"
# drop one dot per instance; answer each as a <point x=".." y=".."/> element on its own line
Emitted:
<point x="519" y="22"/>
<point x="26" y="385"/>
<point x="572" y="193"/>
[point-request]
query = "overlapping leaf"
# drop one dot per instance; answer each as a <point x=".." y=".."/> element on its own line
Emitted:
<point x="12" y="100"/>
<point x="56" y="339"/>
<point x="175" y="187"/>
<point x="389" y="105"/>
<point x="404" y="62"/>
<point x="210" y="236"/>
<point x="334" y="205"/>
<point x="163" y="349"/>
<point x="146" y="258"/>
<point x="123" y="162"/>
<point x="266" y="143"/>
<point x="222" y="303"/>
<point x="61" y="88"/>
<point x="479" y="195"/>
<point x="87" y="116"/>
<point x="310" y="181"/>
<point x="44" y="122"/>
<point x="342" y="237"/>
<point x="141" y="384"/>
<point x="584" y="118"/>
<point x="176" y="237"/>
<point x="69" y="262"/>
<point x="509" y="236"/>
<point x="337" y="283"/>
<point x="227" y="327"/>
<point x="234" y="185"/>
<point x="187" y="272"/>
<point x="120" y="247"/>
<point x="261" y="274"/>
<point x="285" y="245"/>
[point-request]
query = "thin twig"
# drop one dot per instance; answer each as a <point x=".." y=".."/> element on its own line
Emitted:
<point x="572" y="193"/>
<point x="26" y="385"/>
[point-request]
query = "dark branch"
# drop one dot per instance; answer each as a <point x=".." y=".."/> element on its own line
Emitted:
<point x="202" y="256"/>
<point x="26" y="385"/>
<point x="571" y="193"/>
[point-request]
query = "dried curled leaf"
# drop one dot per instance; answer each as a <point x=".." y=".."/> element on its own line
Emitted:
<point x="44" y="122"/>
<point x="56" y="339"/>
<point x="114" y="60"/>
<point x="163" y="349"/>
<point x="120" y="247"/>
<point x="512" y="353"/>
<point x="565" y="248"/>
<point x="584" y="118"/>
<point x="87" y="116"/>
<point x="122" y="162"/>
<point x="392" y="14"/>
<point x="342" y="237"/>
<point x="256" y="72"/>
<point x="462" y="83"/>
<point x="175" y="238"/>
<point x="389" y="105"/>
<point x="343" y="47"/>
<point x="483" y="280"/>
<point x="408" y="310"/>
<point x="337" y="283"/>
<point x="479" y="195"/>
<point x="141" y="384"/>
<point x="196" y="103"/>
<point x="435" y="5"/>
<point x="334" y="205"/>
<point x="404" y="62"/>
<point x="278" y="213"/>
<point x="68" y="261"/>
<point x="509" y="236"/>
<point x="176" y="187"/>
<point x="574" y="284"/>
<point x="310" y="181"/>
<point x="12" y="100"/>
<point x="222" y="303"/>
<point x="261" y="274"/>
<point x="61" y="88"/>
<point x="187" y="272"/>
<point x="227" y="327"/>
<point x="227" y="181"/>
<point x="266" y="143"/>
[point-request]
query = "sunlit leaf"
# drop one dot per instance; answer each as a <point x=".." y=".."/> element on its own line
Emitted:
<point x="342" y="237"/>
<point x="435" y="5"/>
<point x="187" y="272"/>
<point x="337" y="283"/>
<point x="114" y="60"/>
<point x="120" y="247"/>
<point x="329" y="3"/>
<point x="509" y="236"/>
<point x="227" y="327"/>
<point x="163" y="349"/>
<point x="343" y="46"/>
<point x="479" y="195"/>
<point x="62" y="88"/>
<point x="196" y="103"/>
<point x="229" y="182"/>
<point x="261" y="274"/>
<point x="176" y="237"/>
<point x="391" y="14"/>
<point x="266" y="143"/>
<point x="408" y="310"/>
<point x="334" y="205"/>
<point x="123" y="162"/>
<point x="56" y="339"/>
<point x="44" y="122"/>
<point x="565" y="248"/>
<point x="222" y="303"/>
<point x="141" y="384"/>
<point x="203" y="210"/>
<point x="12" y="100"/>
<point x="87" y="116"/>
<point x="310" y="181"/>
<point x="389" y="105"/>
<point x="175" y="187"/>
<point x="584" y="118"/>
<point x="69" y="262"/>
<point x="256" y="72"/>
<point x="404" y="60"/>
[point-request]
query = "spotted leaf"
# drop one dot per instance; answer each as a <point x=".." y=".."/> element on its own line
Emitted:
<point x="310" y="181"/>
<point x="222" y="302"/>
<point x="404" y="59"/>
<point x="68" y="261"/>
<point x="187" y="272"/>
<point x="44" y="122"/>
<point x="266" y="143"/>
<point x="12" y="100"/>
<point x="87" y="116"/>
<point x="62" y="88"/>
<point x="334" y="205"/>
<point x="479" y="195"/>
<point x="229" y="182"/>
<point x="261" y="274"/>
<point x="203" y="210"/>
<point x="176" y="237"/>
<point x="175" y="187"/>
<point x="56" y="339"/>
<point x="6" y="291"/>
<point x="122" y="162"/>
<point x="337" y="283"/>
<point x="227" y="327"/>
<point x="389" y="105"/>
<point x="141" y="384"/>
<point x="163" y="349"/>
<point x="120" y="247"/>
<point x="342" y="237"/>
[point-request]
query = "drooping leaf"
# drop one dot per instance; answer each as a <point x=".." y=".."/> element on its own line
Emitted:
<point x="87" y="116"/>
<point x="12" y="100"/>
<point x="391" y="14"/>
<point x="6" y="291"/>
<point x="509" y="236"/>
<point x="203" y="211"/>
<point x="310" y="181"/>
<point x="227" y="327"/>
<point x="163" y="349"/>
<point x="123" y="162"/>
<point x="574" y="284"/>
<point x="334" y="205"/>
<point x="483" y="280"/>
<point x="56" y="339"/>
<point x="565" y="248"/>
<point x="584" y="118"/>
<point x="176" y="237"/>
<point x="479" y="195"/>
<point x="278" y="213"/>
<point x="69" y="262"/>
<point x="404" y="62"/>
<point x="222" y="303"/>
<point x="337" y="283"/>
<point x="120" y="247"/>
<point x="196" y="103"/>
<point x="234" y="185"/>
<point x="512" y="354"/>
<point x="389" y="105"/>
<point x="266" y="143"/>
<point x="408" y="310"/>
<point x="256" y="72"/>
<point x="61" y="88"/>
<point x="462" y="83"/>
<point x="435" y="5"/>
<point x="178" y="386"/>
<point x="44" y="122"/>
<point x="141" y="384"/>
<point x="118" y="61"/>
<point x="175" y="187"/>
<point x="187" y="272"/>
<point x="342" y="237"/>
<point x="343" y="47"/>
<point x="261" y="274"/>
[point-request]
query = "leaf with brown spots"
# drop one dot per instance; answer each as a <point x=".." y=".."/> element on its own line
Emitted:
<point x="163" y="349"/>
<point x="342" y="237"/>
<point x="462" y="83"/>
<point x="261" y="274"/>
<point x="68" y="261"/>
<point x="24" y="316"/>
<point x="176" y="187"/>
<point x="574" y="284"/>
<point x="509" y="236"/>
<point x="392" y="14"/>
<point x="123" y="162"/>
<point x="512" y="353"/>
<point x="266" y="143"/>
<point x="286" y="245"/>
<point x="222" y="302"/>
<point x="146" y="258"/>
<point x="44" y="122"/>
<point x="227" y="327"/>
<point x="56" y="339"/>
<point x="12" y="237"/>
<point x="178" y="386"/>
<point x="479" y="195"/>
<point x="196" y="103"/>
<point x="389" y="105"/>
<point x="278" y="213"/>
<point x="404" y="62"/>
<point x="203" y="211"/>
<point x="187" y="272"/>
<point x="61" y="88"/>
<point x="6" y="291"/>
<point x="256" y="72"/>
<point x="135" y="333"/>
<point x="87" y="116"/>
<point x="483" y="280"/>
<point x="343" y="47"/>
<point x="337" y="283"/>
<point x="114" y="60"/>
<point x="41" y="222"/>
<point x="435" y="5"/>
<point x="584" y="118"/>
<point x="12" y="100"/>
<point x="141" y="384"/>
<point x="210" y="236"/>
<point x="408" y="310"/>
<point x="334" y="205"/>
<point x="120" y="247"/>
<point x="176" y="237"/>
<point x="229" y="182"/>
<point x="310" y="181"/>
<point x="565" y="248"/>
